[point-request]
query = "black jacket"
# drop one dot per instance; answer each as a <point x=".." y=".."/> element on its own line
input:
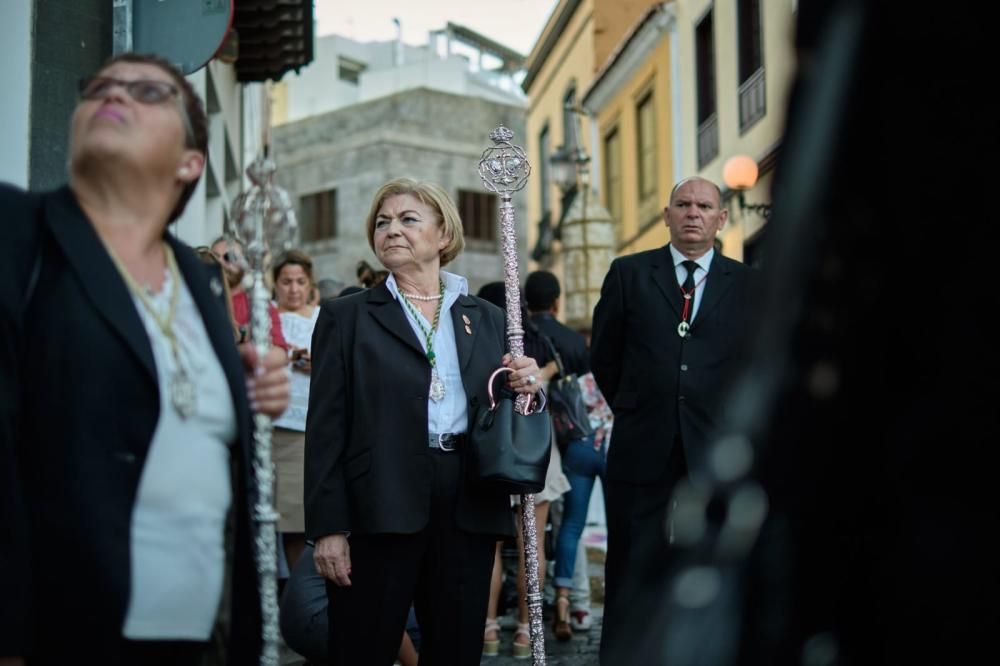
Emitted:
<point x="659" y="385"/>
<point x="79" y="403"/>
<point x="572" y="346"/>
<point x="368" y="466"/>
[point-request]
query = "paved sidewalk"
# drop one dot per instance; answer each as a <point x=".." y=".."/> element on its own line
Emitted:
<point x="580" y="651"/>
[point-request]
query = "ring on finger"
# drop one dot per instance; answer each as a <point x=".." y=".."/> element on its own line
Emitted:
<point x="531" y="381"/>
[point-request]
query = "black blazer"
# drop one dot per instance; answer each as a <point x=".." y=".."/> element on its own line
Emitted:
<point x="368" y="466"/>
<point x="659" y="385"/>
<point x="80" y="402"/>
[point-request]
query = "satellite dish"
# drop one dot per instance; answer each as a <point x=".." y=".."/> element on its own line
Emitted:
<point x="188" y="33"/>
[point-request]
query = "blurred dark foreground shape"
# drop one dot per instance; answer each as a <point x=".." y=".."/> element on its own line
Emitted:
<point x="866" y="415"/>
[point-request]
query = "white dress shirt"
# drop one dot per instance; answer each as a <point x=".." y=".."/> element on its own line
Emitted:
<point x="704" y="263"/>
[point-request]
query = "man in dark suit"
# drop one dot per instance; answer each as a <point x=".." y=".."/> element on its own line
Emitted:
<point x="664" y="340"/>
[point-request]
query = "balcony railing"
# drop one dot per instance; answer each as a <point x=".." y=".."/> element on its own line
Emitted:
<point x="753" y="102"/>
<point x="708" y="140"/>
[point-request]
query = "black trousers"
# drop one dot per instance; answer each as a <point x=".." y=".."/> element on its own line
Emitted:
<point x="162" y="653"/>
<point x="637" y="564"/>
<point x="443" y="571"/>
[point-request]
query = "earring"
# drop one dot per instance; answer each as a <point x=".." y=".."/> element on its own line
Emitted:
<point x="183" y="172"/>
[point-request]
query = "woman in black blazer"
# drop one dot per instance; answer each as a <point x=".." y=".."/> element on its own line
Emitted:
<point x="125" y="477"/>
<point x="398" y="373"/>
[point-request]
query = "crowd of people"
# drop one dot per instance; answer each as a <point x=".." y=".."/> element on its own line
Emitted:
<point x="129" y="513"/>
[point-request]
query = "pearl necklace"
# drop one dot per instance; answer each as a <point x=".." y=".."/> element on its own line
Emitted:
<point x="418" y="297"/>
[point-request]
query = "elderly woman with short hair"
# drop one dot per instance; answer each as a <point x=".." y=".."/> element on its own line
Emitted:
<point x="398" y="374"/>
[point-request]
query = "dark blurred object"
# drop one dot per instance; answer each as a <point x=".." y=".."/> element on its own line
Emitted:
<point x="351" y="289"/>
<point x="494" y="293"/>
<point x="329" y="288"/>
<point x="534" y="345"/>
<point x="869" y="397"/>
<point x="368" y="277"/>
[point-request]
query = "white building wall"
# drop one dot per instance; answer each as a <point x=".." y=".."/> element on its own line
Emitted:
<point x="207" y="209"/>
<point x="318" y="88"/>
<point x="15" y="72"/>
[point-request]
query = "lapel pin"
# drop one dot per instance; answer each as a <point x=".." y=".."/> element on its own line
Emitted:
<point x="468" y="322"/>
<point x="216" y="286"/>
<point x="468" y="329"/>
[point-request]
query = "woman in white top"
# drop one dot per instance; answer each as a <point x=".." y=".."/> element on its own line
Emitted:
<point x="293" y="285"/>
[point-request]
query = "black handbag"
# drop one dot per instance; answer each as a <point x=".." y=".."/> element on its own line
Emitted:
<point x="570" y="417"/>
<point x="509" y="452"/>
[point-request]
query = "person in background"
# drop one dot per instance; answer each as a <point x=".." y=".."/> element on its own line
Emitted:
<point x="293" y="282"/>
<point x="234" y="264"/>
<point x="328" y="288"/>
<point x="208" y="257"/>
<point x="369" y="277"/>
<point x="126" y="484"/>
<point x="583" y="459"/>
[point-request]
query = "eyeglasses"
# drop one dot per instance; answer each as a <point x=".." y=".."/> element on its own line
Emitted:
<point x="146" y="91"/>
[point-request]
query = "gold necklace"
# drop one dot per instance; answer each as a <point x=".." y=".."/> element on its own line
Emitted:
<point x="182" y="389"/>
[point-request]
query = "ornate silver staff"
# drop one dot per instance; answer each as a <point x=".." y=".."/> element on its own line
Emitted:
<point x="504" y="169"/>
<point x="264" y="220"/>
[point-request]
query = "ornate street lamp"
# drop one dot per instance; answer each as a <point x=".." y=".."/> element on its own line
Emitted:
<point x="740" y="174"/>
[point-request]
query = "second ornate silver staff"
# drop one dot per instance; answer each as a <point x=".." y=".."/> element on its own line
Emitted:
<point x="504" y="169"/>
<point x="264" y="221"/>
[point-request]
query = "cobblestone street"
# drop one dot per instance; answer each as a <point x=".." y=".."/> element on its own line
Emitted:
<point x="580" y="651"/>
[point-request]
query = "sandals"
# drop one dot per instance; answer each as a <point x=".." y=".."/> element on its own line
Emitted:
<point x="491" y="647"/>
<point x="522" y="650"/>
<point x="560" y="621"/>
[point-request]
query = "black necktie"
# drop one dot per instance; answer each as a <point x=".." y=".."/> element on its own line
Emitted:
<point x="688" y="289"/>
<point x="689" y="283"/>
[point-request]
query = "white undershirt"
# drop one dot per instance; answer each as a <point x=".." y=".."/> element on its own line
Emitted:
<point x="178" y="521"/>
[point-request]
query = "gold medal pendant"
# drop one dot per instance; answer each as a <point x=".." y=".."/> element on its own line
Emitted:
<point x="683" y="328"/>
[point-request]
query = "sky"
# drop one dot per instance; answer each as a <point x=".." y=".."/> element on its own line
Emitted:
<point x="513" y="23"/>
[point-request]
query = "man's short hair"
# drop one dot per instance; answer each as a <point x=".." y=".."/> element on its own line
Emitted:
<point x="541" y="290"/>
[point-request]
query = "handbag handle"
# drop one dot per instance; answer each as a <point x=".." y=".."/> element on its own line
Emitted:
<point x="493" y="403"/>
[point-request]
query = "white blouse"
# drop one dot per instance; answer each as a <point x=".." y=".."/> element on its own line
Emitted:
<point x="178" y="522"/>
<point x="298" y="331"/>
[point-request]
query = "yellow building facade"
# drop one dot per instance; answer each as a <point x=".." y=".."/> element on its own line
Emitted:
<point x="560" y="66"/>
<point x="576" y="40"/>
<point x="739" y="106"/>
<point x="633" y="100"/>
<point x="691" y="84"/>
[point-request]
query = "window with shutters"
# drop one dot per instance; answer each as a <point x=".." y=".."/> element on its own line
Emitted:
<point x="318" y="216"/>
<point x="478" y="211"/>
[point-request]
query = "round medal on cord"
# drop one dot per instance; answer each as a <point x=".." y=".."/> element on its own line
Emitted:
<point x="683" y="328"/>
